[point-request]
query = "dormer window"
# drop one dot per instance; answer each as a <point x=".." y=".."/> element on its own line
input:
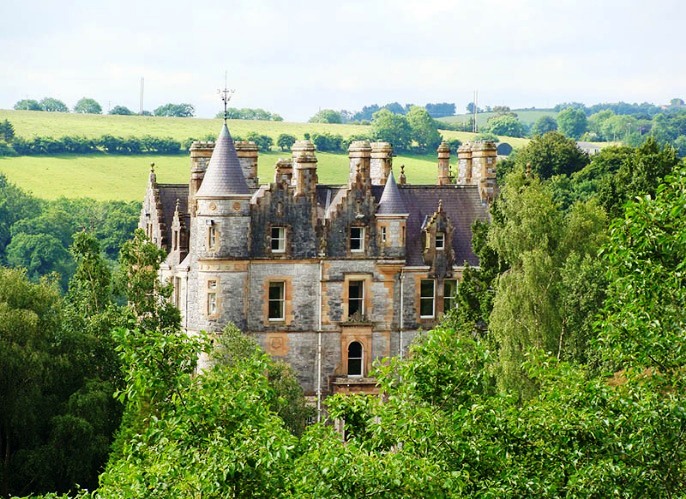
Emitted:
<point x="440" y="240"/>
<point x="356" y="239"/>
<point x="278" y="240"/>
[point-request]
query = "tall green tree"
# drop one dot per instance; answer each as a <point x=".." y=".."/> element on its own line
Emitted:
<point x="326" y="116"/>
<point x="572" y="122"/>
<point x="543" y="125"/>
<point x="423" y="129"/>
<point x="27" y="105"/>
<point x="393" y="128"/>
<point x="551" y="154"/>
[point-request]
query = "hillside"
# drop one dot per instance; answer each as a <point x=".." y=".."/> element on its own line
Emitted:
<point x="112" y="177"/>
<point x="526" y="116"/>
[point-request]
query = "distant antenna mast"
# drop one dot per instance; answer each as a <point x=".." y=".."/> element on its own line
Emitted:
<point x="226" y="96"/>
<point x="142" y="86"/>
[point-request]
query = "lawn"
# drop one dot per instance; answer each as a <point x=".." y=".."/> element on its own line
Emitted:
<point x="105" y="177"/>
<point x="526" y="116"/>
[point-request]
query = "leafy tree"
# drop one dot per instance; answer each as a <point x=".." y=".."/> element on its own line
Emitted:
<point x="327" y="141"/>
<point x="263" y="142"/>
<point x="572" y="122"/>
<point x="28" y="105"/>
<point x="507" y="125"/>
<point x="326" y="116"/>
<point x="121" y="110"/>
<point x="87" y="105"/>
<point x="393" y="128"/>
<point x="53" y="105"/>
<point x="543" y="125"/>
<point x="284" y="141"/>
<point x="423" y="129"/>
<point x="175" y="110"/>
<point x="551" y="154"/>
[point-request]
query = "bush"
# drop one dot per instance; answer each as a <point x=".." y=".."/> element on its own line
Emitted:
<point x="327" y="142"/>
<point x="263" y="142"/>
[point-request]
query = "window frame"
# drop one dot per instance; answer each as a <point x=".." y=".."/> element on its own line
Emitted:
<point x="359" y="373"/>
<point x="280" y="239"/>
<point x="440" y="237"/>
<point x="449" y="299"/>
<point x="212" y="307"/>
<point x="280" y="301"/>
<point x="425" y="298"/>
<point x="359" y="239"/>
<point x="359" y="284"/>
<point x="211" y="237"/>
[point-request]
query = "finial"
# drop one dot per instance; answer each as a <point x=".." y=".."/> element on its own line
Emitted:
<point x="440" y="205"/>
<point x="226" y="97"/>
<point x="152" y="167"/>
<point x="178" y="205"/>
<point x="403" y="178"/>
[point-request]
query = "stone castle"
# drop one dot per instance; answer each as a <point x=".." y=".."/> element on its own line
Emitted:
<point x="326" y="277"/>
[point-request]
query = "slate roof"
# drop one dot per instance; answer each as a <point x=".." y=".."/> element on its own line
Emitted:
<point x="461" y="204"/>
<point x="224" y="175"/>
<point x="391" y="203"/>
<point x="169" y="193"/>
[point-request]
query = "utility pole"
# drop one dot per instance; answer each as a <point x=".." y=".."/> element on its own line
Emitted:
<point x="142" y="85"/>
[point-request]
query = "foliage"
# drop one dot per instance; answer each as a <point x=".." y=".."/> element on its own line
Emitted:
<point x="264" y="142"/>
<point x="392" y="128"/>
<point x="284" y="141"/>
<point x="175" y="110"/>
<point x="551" y="154"/>
<point x="87" y="105"/>
<point x="507" y="125"/>
<point x="250" y="114"/>
<point x="423" y="129"/>
<point x="121" y="110"/>
<point x="53" y="105"/>
<point x="439" y="110"/>
<point x="572" y="122"/>
<point x="543" y="125"/>
<point x="326" y="116"/>
<point x="487" y="136"/>
<point x="6" y="131"/>
<point x="27" y="105"/>
<point x="645" y="323"/>
<point x="327" y="142"/>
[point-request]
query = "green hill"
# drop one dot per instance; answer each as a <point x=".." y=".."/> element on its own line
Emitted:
<point x="109" y="177"/>
<point x="526" y="116"/>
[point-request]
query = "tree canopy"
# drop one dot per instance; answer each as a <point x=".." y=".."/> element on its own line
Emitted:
<point x="87" y="105"/>
<point x="175" y="110"/>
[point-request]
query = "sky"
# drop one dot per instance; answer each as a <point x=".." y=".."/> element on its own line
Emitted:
<point x="298" y="56"/>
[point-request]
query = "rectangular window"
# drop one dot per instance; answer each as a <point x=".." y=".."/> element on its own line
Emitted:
<point x="357" y="239"/>
<point x="278" y="239"/>
<point x="211" y="237"/>
<point x="449" y="294"/>
<point x="440" y="240"/>
<point x="383" y="235"/>
<point x="211" y="297"/>
<point x="426" y="298"/>
<point x="276" y="301"/>
<point x="356" y="300"/>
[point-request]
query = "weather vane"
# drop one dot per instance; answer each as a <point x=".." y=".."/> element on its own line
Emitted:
<point x="226" y="97"/>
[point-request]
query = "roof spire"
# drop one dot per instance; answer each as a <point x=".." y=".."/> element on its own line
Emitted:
<point x="226" y="96"/>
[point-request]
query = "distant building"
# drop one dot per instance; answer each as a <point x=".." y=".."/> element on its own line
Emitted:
<point x="326" y="277"/>
<point x="589" y="148"/>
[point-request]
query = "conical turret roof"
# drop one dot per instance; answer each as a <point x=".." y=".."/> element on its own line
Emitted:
<point x="224" y="175"/>
<point x="391" y="202"/>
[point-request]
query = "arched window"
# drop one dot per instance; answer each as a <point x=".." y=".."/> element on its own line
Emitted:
<point x="355" y="359"/>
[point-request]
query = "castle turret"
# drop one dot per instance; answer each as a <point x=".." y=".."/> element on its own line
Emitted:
<point x="391" y="219"/>
<point x="304" y="168"/>
<point x="200" y="156"/>
<point x="381" y="162"/>
<point x="360" y="153"/>
<point x="247" y="156"/>
<point x="443" y="164"/>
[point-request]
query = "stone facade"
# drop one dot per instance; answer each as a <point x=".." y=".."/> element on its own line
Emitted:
<point x="327" y="278"/>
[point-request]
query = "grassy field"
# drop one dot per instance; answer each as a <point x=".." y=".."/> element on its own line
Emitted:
<point x="527" y="116"/>
<point x="107" y="177"/>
